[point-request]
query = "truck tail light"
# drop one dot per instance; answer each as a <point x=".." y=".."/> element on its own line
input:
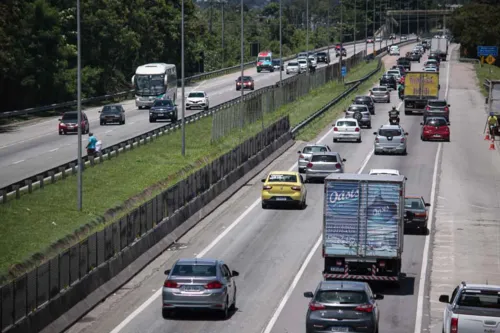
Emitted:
<point x="402" y="140"/>
<point x="376" y="139"/>
<point x="446" y="109"/>
<point x="381" y="263"/>
<point x="454" y="325"/>
<point x="428" y="108"/>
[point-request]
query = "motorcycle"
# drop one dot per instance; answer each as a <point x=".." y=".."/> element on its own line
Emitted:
<point x="394" y="117"/>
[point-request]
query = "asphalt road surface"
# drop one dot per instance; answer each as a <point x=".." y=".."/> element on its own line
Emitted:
<point x="276" y="251"/>
<point x="466" y="244"/>
<point x="28" y="150"/>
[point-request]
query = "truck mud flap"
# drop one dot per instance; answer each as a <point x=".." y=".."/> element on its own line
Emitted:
<point x="328" y="276"/>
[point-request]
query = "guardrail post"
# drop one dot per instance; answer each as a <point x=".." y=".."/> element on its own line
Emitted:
<point x="109" y="153"/>
<point x="91" y="159"/>
<point x="62" y="170"/>
<point x="117" y="150"/>
<point x="73" y="168"/>
<point x="131" y="144"/>
<point x="52" y="176"/>
<point x="40" y="181"/>
<point x="123" y="146"/>
<point x="101" y="158"/>
<point x="29" y="183"/>
<point x="16" y="189"/>
<point x="3" y="194"/>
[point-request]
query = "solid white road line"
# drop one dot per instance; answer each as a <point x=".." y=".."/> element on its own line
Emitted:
<point x="423" y="271"/>
<point x="17" y="162"/>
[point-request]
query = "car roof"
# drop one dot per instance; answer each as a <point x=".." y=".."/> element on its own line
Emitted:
<point x="343" y="285"/>
<point x="413" y="197"/>
<point x="331" y="153"/>
<point x="346" y="119"/>
<point x="315" y="145"/>
<point x="197" y="261"/>
<point x="362" y="97"/>
<point x="482" y="286"/>
<point x="388" y="126"/>
<point x="385" y="87"/>
<point x="384" y="171"/>
<point x="283" y="173"/>
<point x="197" y="91"/>
<point x="358" y="106"/>
<point x="71" y="112"/>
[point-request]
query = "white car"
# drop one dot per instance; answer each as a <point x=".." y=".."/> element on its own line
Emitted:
<point x="430" y="69"/>
<point x="394" y="72"/>
<point x="313" y="60"/>
<point x="346" y="129"/>
<point x="378" y="39"/>
<point x="293" y="67"/>
<point x="197" y="100"/>
<point x="390" y="172"/>
<point x="394" y="50"/>
<point x="302" y="64"/>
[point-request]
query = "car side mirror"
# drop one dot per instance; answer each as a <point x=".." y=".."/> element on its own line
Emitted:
<point x="444" y="299"/>
<point x="59" y="119"/>
<point x="448" y="123"/>
<point x="263" y="180"/>
<point x="235" y="273"/>
<point x="422" y="124"/>
<point x="308" y="294"/>
<point x="374" y="133"/>
<point x="406" y="133"/>
<point x="449" y="105"/>
<point x="99" y="111"/>
<point x="427" y="204"/>
<point x="378" y="296"/>
<point x="167" y="272"/>
<point x="299" y="152"/>
<point x="344" y="160"/>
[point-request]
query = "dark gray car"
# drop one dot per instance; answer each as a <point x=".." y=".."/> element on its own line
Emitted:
<point x="366" y="100"/>
<point x="163" y="109"/>
<point x="199" y="284"/>
<point x="342" y="306"/>
<point x="416" y="214"/>
<point x="437" y="108"/>
<point x="112" y="114"/>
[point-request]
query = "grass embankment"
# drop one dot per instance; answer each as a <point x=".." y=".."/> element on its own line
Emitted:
<point x="484" y="72"/>
<point x="34" y="223"/>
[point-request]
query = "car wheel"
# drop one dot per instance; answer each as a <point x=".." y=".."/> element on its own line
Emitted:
<point x="102" y="123"/>
<point x="206" y="108"/>
<point x="61" y="133"/>
<point x="302" y="170"/>
<point x="224" y="314"/>
<point x="358" y="140"/>
<point x="422" y="138"/>
<point x="152" y="120"/>
<point x="166" y="314"/>
<point x="252" y="88"/>
<point x="287" y="73"/>
<point x="405" y="152"/>
<point x="335" y="140"/>
<point x="264" y="205"/>
<point x="448" y="140"/>
<point x="233" y="305"/>
<point x="369" y="125"/>
<point x="123" y="122"/>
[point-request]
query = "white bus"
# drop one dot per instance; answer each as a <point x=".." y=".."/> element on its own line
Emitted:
<point x="154" y="81"/>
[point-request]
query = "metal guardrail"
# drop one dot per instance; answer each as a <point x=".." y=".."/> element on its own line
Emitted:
<point x="469" y="60"/>
<point x="187" y="80"/>
<point x="39" y="180"/>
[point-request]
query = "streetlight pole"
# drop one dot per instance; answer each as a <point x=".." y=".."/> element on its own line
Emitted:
<point x="79" y="107"/>
<point x="222" y="14"/>
<point x="408" y="17"/>
<point x="354" y="30"/>
<point x="307" y="33"/>
<point x="341" y="39"/>
<point x="418" y="20"/>
<point x="183" y="98"/>
<point x="281" y="49"/>
<point x="328" y="29"/>
<point x="381" y="26"/>
<point x="366" y="29"/>
<point x="242" y="66"/>
<point x="400" y="22"/>
<point x="373" y="26"/>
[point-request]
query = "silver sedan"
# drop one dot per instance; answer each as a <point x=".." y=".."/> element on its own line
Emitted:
<point x="390" y="139"/>
<point x="199" y="284"/>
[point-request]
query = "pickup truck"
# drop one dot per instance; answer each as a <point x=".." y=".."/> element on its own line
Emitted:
<point x="472" y="308"/>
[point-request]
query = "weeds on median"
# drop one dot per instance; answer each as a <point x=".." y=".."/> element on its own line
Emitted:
<point x="486" y="71"/>
<point x="38" y="226"/>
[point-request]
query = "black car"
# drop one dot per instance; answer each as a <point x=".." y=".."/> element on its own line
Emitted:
<point x="278" y="64"/>
<point x="323" y="57"/>
<point x="405" y="62"/>
<point x="344" y="52"/>
<point x="163" y="109"/>
<point x="426" y="44"/>
<point x="389" y="81"/>
<point x="435" y="56"/>
<point x="366" y="100"/>
<point x="415" y="56"/>
<point x="416" y="214"/>
<point x="112" y="114"/>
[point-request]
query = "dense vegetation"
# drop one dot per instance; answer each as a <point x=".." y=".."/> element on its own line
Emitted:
<point x="475" y="24"/>
<point x="38" y="39"/>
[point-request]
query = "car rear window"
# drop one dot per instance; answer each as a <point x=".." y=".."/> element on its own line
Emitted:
<point x="438" y="103"/>
<point x="480" y="299"/>
<point x="293" y="64"/>
<point x="436" y="122"/>
<point x="196" y="95"/>
<point x="393" y="72"/>
<point x="389" y="132"/>
<point x="345" y="123"/>
<point x="194" y="270"/>
<point x="380" y="89"/>
<point x="362" y="100"/>
<point x="357" y="108"/>
<point x="321" y="54"/>
<point x="414" y="203"/>
<point x="282" y="178"/>
<point x="70" y="116"/>
<point x="315" y="149"/>
<point x="324" y="158"/>
<point x="341" y="297"/>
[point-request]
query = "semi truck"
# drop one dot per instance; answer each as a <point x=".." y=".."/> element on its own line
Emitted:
<point x="420" y="87"/>
<point x="440" y="47"/>
<point x="363" y="227"/>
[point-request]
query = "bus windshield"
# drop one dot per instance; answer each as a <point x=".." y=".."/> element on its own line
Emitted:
<point x="264" y="59"/>
<point x="150" y="85"/>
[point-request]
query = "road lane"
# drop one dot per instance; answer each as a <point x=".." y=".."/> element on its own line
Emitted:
<point x="466" y="243"/>
<point x="30" y="149"/>
<point x="267" y="247"/>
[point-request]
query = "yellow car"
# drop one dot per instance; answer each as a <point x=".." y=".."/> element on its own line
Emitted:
<point x="284" y="187"/>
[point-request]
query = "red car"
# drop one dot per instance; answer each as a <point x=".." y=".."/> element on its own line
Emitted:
<point x="247" y="83"/>
<point x="69" y="123"/>
<point x="435" y="128"/>
<point x="370" y="40"/>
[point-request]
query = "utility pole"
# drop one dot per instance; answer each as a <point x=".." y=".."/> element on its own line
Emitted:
<point x="354" y="30"/>
<point x="79" y="108"/>
<point x="222" y="14"/>
<point x="381" y="26"/>
<point x="366" y="29"/>
<point x="400" y="22"/>
<point x="408" y="16"/>
<point x="242" y="67"/>
<point x="281" y="48"/>
<point x="183" y="98"/>
<point x="307" y="33"/>
<point x="341" y="40"/>
<point x="418" y="20"/>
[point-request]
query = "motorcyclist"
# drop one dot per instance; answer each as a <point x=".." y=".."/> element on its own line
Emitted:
<point x="401" y="90"/>
<point x="492" y="123"/>
<point x="394" y="115"/>
<point x="91" y="145"/>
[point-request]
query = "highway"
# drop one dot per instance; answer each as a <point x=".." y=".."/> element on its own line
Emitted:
<point x="277" y="251"/>
<point x="31" y="149"/>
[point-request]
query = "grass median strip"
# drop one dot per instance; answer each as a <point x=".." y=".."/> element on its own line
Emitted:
<point x="484" y="72"/>
<point x="34" y="223"/>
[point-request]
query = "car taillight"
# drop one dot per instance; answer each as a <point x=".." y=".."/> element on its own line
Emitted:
<point x="296" y="188"/>
<point x="213" y="285"/>
<point x="170" y="284"/>
<point x="428" y="108"/>
<point x="338" y="165"/>
<point x="316" y="306"/>
<point x="335" y="129"/>
<point x="301" y="156"/>
<point x="454" y="325"/>
<point x="357" y="129"/>
<point x="376" y="139"/>
<point x="267" y="187"/>
<point x="420" y="214"/>
<point x="402" y="140"/>
<point x="446" y="109"/>
<point x="309" y="165"/>
<point x="364" y="308"/>
<point x="381" y="263"/>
